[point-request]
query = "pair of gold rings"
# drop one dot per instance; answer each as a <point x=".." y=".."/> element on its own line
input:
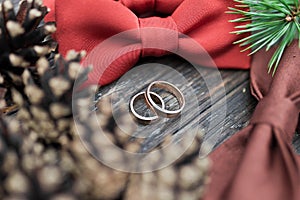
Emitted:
<point x="156" y="103"/>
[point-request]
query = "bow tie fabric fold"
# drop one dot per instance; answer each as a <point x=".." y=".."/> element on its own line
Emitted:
<point x="259" y="162"/>
<point x="82" y="25"/>
<point x="150" y="6"/>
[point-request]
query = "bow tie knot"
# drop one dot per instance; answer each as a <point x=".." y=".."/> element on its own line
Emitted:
<point x="158" y="32"/>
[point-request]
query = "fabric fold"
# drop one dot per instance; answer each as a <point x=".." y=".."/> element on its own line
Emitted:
<point x="259" y="162"/>
<point x="146" y="6"/>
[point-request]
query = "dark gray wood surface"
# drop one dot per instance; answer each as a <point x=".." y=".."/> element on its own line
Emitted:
<point x="238" y="102"/>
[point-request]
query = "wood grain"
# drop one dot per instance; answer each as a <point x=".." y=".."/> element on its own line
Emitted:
<point x="197" y="114"/>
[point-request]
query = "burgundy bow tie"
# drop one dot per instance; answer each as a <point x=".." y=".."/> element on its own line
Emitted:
<point x="82" y="25"/>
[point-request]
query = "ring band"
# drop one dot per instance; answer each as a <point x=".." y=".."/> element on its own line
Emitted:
<point x="157" y="100"/>
<point x="170" y="88"/>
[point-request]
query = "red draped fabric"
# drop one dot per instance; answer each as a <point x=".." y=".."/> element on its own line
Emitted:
<point x="259" y="162"/>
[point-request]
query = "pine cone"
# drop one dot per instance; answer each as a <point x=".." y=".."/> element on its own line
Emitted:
<point x="46" y="103"/>
<point x="120" y="137"/>
<point x="32" y="169"/>
<point x="35" y="169"/>
<point x="186" y="178"/>
<point x="22" y="41"/>
<point x="94" y="180"/>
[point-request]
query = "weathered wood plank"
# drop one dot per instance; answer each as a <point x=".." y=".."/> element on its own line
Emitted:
<point x="238" y="100"/>
<point x="192" y="117"/>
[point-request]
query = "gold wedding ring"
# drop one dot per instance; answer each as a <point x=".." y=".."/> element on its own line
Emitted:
<point x="156" y="103"/>
<point x="173" y="90"/>
<point x="142" y="95"/>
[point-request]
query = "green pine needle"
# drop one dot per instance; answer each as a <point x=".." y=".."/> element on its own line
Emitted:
<point x="271" y="22"/>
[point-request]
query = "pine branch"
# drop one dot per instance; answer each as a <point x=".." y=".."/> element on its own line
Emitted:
<point x="270" y="23"/>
